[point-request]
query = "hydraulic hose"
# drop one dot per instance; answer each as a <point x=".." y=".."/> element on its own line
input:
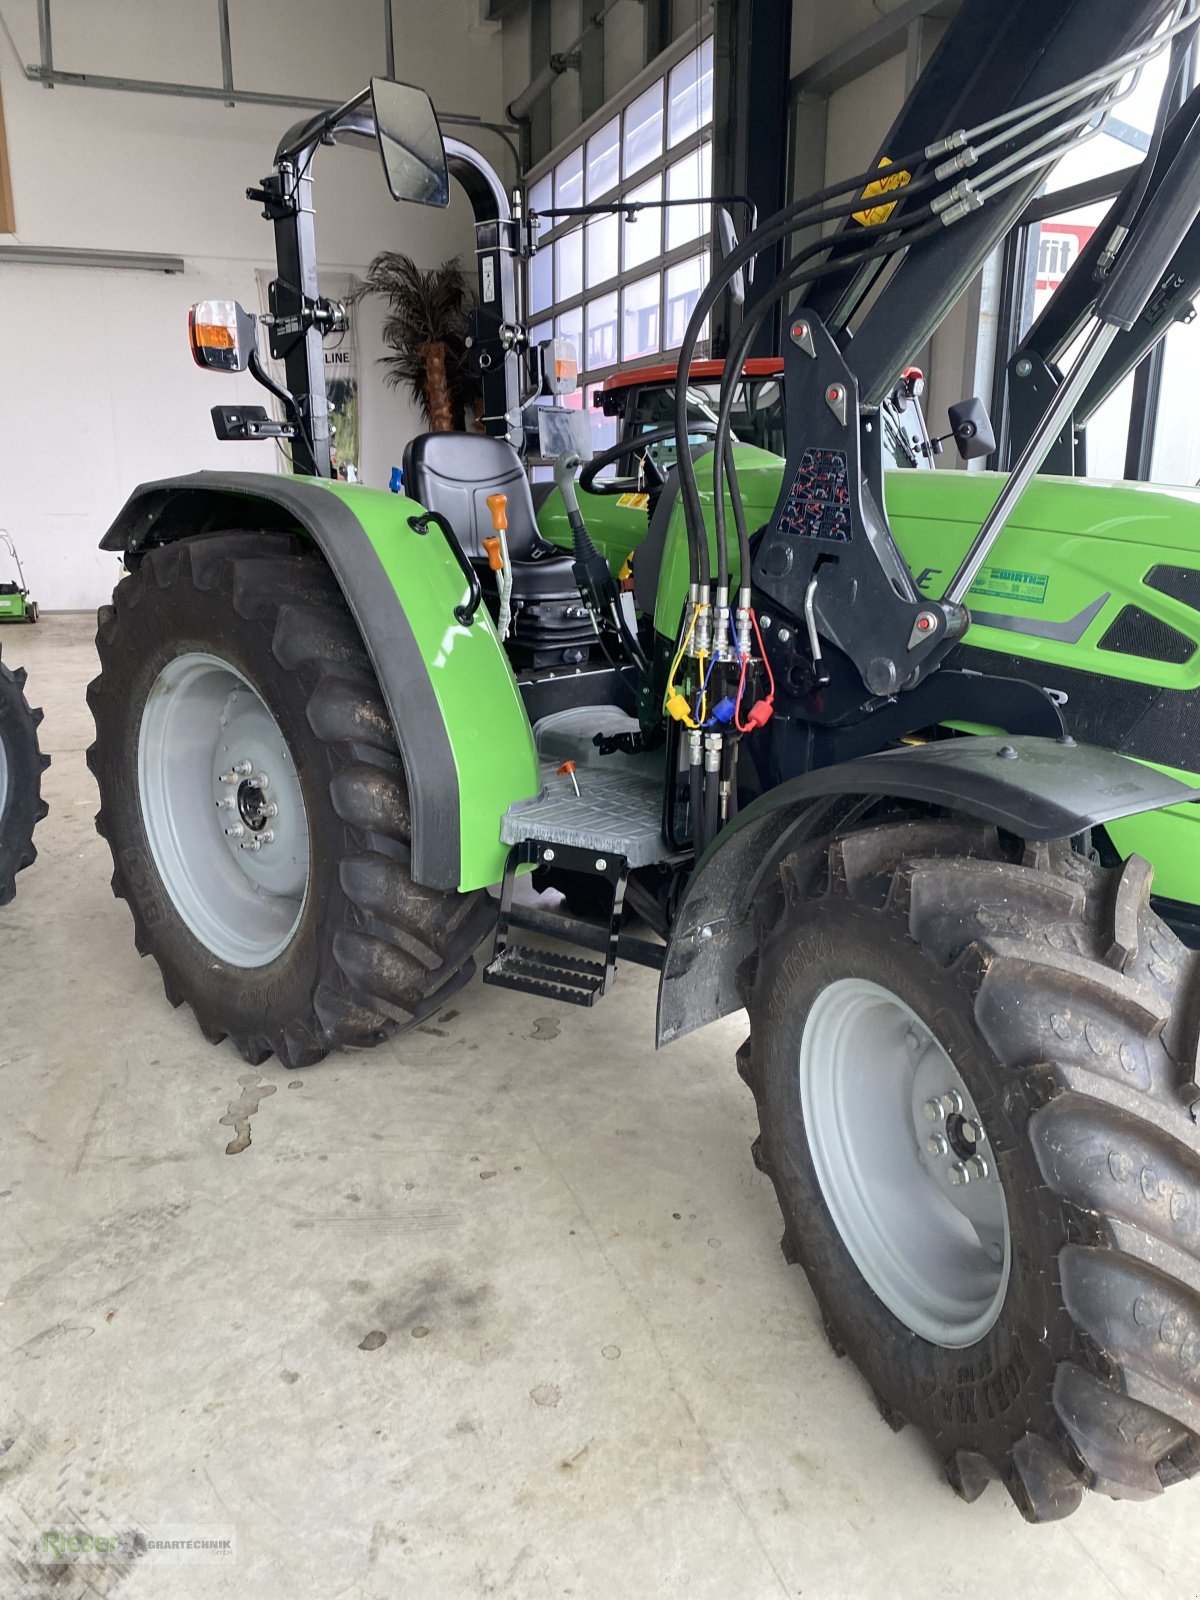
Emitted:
<point x="735" y="360"/>
<point x="800" y="214"/>
<point x="737" y="354"/>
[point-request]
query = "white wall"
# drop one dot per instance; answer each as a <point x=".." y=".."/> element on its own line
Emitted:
<point x="101" y="392"/>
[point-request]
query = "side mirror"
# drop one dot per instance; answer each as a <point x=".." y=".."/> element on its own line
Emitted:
<point x="972" y="428"/>
<point x="222" y="335"/>
<point x="410" y="143"/>
<point x="727" y="241"/>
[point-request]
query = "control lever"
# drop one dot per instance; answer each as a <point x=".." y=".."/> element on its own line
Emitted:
<point x="496" y="545"/>
<point x="596" y="582"/>
<point x="814" y="638"/>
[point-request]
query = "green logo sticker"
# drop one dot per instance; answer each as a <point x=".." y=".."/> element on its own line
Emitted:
<point x="1006" y="583"/>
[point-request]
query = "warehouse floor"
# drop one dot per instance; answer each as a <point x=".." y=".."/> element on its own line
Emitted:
<point x="498" y="1309"/>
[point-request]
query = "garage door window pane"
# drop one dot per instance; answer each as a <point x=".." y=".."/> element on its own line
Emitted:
<point x="689" y="95"/>
<point x="643" y="130"/>
<point x="601" y="332"/>
<point x="685" y="179"/>
<point x="568" y="180"/>
<point x="640" y="318"/>
<point x="643" y="237"/>
<point x="568" y="265"/>
<point x="541" y="279"/>
<point x="541" y="194"/>
<point x="604" y="159"/>
<point x="601" y="250"/>
<point x="570" y="326"/>
<point x="684" y="284"/>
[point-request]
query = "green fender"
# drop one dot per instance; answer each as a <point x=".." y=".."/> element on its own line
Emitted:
<point x="464" y="737"/>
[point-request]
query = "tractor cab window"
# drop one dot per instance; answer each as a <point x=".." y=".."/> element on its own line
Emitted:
<point x="757" y="416"/>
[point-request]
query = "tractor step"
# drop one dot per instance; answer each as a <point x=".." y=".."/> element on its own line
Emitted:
<point x="570" y="979"/>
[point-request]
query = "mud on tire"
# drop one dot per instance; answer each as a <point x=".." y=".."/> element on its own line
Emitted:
<point x="373" y="950"/>
<point x="1070" y="1012"/>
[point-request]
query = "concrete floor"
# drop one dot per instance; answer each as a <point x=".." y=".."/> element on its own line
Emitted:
<point x="498" y="1309"/>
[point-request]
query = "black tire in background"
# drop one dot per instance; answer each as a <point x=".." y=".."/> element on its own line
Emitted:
<point x="372" y="950"/>
<point x="1070" y="1013"/>
<point x="21" y="768"/>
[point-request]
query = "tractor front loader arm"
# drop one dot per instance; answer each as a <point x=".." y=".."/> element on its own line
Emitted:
<point x="1035" y="788"/>
<point x="463" y="734"/>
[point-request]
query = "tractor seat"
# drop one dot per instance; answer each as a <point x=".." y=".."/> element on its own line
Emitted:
<point x="453" y="474"/>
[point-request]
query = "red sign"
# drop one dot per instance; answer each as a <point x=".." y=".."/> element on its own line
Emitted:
<point x="1059" y="245"/>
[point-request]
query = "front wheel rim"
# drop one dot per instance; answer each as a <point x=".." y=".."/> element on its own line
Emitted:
<point x="904" y="1163"/>
<point x="231" y="849"/>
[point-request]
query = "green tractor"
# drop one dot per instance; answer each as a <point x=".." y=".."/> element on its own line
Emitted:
<point x="330" y="719"/>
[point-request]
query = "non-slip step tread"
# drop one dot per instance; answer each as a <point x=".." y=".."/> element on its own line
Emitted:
<point x="546" y="972"/>
<point x="616" y="813"/>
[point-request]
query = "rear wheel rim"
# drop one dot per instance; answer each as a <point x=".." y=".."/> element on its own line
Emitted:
<point x="904" y="1163"/>
<point x="232" y="850"/>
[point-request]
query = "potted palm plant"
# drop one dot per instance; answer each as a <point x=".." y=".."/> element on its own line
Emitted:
<point x="425" y="330"/>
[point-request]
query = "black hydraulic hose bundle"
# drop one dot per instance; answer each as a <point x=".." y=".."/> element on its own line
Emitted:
<point x="809" y="212"/>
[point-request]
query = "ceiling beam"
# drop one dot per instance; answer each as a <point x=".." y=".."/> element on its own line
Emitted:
<point x="878" y="43"/>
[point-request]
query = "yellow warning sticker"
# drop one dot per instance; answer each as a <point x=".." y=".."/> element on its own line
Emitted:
<point x="872" y="216"/>
<point x="634" y="502"/>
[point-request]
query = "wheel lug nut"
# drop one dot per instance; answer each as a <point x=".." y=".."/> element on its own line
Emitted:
<point x="950" y="1102"/>
<point x="270" y="809"/>
<point x="229" y="777"/>
<point x="236" y="831"/>
<point x="261" y="781"/>
<point x="936" y="1145"/>
<point x="226" y="803"/>
<point x="932" y="1110"/>
<point x="959" y="1175"/>
<point x="971" y="1131"/>
<point x="978" y="1167"/>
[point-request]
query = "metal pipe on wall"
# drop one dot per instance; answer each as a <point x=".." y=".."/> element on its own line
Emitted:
<point x="50" y="76"/>
<point x="561" y="61"/>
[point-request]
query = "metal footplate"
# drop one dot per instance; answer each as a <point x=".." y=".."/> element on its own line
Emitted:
<point x="576" y="980"/>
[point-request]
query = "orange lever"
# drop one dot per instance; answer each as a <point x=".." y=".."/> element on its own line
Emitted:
<point x="494" y="553"/>
<point x="497" y="504"/>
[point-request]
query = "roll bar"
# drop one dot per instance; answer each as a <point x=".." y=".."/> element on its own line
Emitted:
<point x="298" y="315"/>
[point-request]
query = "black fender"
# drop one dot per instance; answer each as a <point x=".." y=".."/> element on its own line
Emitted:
<point x="1039" y="789"/>
<point x="202" y="502"/>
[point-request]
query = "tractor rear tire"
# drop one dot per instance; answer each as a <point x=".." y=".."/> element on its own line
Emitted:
<point x="1036" y="1310"/>
<point x="283" y="912"/>
<point x="21" y="768"/>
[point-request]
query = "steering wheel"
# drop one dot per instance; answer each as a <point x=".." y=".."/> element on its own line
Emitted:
<point x="632" y="446"/>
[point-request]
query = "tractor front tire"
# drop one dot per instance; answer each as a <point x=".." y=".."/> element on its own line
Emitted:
<point x="21" y="768"/>
<point x="975" y="1073"/>
<point x="253" y="797"/>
